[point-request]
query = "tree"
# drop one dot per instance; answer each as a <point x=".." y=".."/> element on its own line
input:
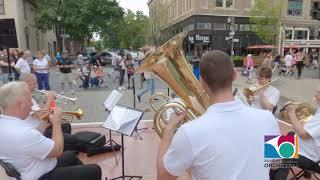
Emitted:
<point x="131" y="32"/>
<point x="79" y="18"/>
<point x="266" y="19"/>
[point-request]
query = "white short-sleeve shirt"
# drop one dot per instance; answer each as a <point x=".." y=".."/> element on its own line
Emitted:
<point x="288" y="60"/>
<point x="23" y="65"/>
<point x="25" y="148"/>
<point x="225" y="143"/>
<point x="31" y="120"/>
<point x="310" y="148"/>
<point x="41" y="64"/>
<point x="271" y="93"/>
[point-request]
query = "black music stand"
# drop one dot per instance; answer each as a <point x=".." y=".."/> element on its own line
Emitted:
<point x="126" y="128"/>
<point x="134" y="106"/>
<point x="110" y="103"/>
<point x="111" y="142"/>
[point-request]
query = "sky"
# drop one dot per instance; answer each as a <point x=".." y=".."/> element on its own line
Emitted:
<point x="135" y="5"/>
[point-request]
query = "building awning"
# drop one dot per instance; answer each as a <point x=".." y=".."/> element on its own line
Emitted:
<point x="262" y="47"/>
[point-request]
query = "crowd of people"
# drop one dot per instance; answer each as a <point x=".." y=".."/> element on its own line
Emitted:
<point x="289" y="63"/>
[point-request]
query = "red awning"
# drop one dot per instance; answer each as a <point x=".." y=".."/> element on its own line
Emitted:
<point x="292" y="46"/>
<point x="262" y="47"/>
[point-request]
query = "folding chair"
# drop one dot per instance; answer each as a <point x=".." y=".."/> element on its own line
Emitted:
<point x="304" y="173"/>
<point x="10" y="170"/>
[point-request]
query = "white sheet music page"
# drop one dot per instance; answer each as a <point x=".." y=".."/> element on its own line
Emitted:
<point x="112" y="100"/>
<point x="122" y="119"/>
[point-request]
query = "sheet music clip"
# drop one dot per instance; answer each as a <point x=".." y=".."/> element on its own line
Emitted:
<point x="123" y="120"/>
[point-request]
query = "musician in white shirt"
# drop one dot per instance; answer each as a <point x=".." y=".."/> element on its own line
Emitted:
<point x="33" y="155"/>
<point x="226" y="142"/>
<point x="309" y="141"/>
<point x="267" y="98"/>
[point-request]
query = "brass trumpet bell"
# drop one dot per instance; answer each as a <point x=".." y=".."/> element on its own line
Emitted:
<point x="304" y="111"/>
<point x="78" y="114"/>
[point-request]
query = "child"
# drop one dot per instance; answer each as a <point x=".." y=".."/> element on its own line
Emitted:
<point x="100" y="75"/>
<point x="94" y="81"/>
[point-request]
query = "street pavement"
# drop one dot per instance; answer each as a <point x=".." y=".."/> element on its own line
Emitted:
<point x="91" y="100"/>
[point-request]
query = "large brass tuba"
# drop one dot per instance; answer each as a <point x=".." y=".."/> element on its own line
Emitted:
<point x="169" y="64"/>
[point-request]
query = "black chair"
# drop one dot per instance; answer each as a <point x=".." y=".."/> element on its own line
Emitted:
<point x="10" y="170"/>
<point x="304" y="173"/>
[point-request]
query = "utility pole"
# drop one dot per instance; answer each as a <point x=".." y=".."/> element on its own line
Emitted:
<point x="231" y="34"/>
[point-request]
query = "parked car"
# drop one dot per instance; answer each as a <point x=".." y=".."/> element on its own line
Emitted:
<point x="106" y="58"/>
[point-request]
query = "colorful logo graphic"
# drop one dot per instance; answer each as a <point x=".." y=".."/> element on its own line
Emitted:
<point x="278" y="147"/>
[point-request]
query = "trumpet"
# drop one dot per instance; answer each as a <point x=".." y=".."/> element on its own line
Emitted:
<point x="304" y="111"/>
<point x="58" y="96"/>
<point x="78" y="114"/>
<point x="249" y="93"/>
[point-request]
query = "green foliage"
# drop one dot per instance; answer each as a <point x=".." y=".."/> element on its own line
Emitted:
<point x="80" y="18"/>
<point x="131" y="32"/>
<point x="98" y="45"/>
<point x="237" y="58"/>
<point x="265" y="19"/>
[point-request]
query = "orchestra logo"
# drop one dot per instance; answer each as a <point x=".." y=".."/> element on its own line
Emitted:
<point x="281" y="147"/>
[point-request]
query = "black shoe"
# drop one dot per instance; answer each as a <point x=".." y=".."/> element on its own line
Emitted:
<point x="156" y="99"/>
<point x="139" y="98"/>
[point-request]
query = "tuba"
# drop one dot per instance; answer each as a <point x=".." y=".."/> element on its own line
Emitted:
<point x="170" y="65"/>
<point x="304" y="111"/>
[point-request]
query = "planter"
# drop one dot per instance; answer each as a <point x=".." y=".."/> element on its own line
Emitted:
<point x="238" y="63"/>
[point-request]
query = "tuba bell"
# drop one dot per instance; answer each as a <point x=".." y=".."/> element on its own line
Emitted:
<point x="170" y="65"/>
<point x="304" y="111"/>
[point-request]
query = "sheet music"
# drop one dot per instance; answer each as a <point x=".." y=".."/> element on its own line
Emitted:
<point x="112" y="100"/>
<point x="122" y="119"/>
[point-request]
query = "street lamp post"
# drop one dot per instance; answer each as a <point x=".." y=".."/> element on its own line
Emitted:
<point x="59" y="33"/>
<point x="231" y="33"/>
<point x="59" y="18"/>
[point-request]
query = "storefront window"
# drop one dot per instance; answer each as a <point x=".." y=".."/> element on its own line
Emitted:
<point x="204" y="26"/>
<point x="300" y="34"/>
<point x="189" y="27"/>
<point x="288" y="34"/>
<point x="220" y="26"/>
<point x="295" y="7"/>
<point x="244" y="27"/>
<point x="219" y="3"/>
<point x="229" y="3"/>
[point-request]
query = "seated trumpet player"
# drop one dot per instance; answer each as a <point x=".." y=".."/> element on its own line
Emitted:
<point x="33" y="155"/>
<point x="309" y="140"/>
<point x="34" y="119"/>
<point x="267" y="97"/>
<point x="209" y="146"/>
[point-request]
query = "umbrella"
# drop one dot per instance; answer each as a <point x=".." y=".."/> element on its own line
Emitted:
<point x="263" y="46"/>
<point x="292" y="46"/>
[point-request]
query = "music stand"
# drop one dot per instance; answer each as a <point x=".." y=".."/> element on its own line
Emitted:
<point x="123" y="120"/>
<point x="110" y="103"/>
<point x="134" y="106"/>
